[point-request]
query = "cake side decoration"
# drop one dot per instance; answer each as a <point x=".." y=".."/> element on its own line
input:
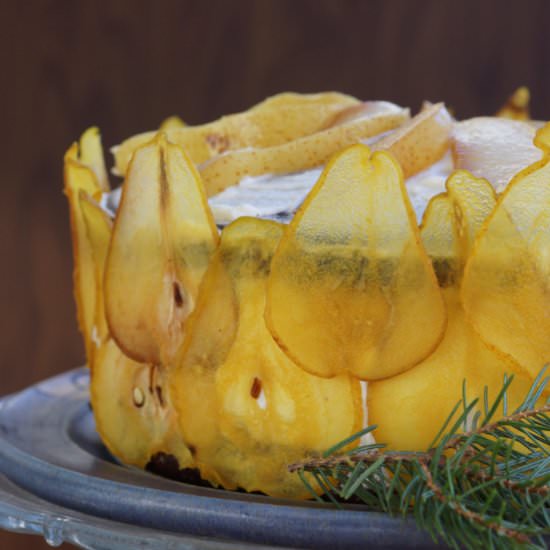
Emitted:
<point x="238" y="353"/>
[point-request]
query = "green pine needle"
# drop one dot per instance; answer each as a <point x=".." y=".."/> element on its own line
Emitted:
<point x="483" y="483"/>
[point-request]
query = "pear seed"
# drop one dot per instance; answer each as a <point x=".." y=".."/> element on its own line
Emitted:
<point x="256" y="388"/>
<point x="178" y="298"/>
<point x="139" y="397"/>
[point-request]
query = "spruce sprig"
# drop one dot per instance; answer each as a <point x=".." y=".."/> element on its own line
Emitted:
<point x="483" y="482"/>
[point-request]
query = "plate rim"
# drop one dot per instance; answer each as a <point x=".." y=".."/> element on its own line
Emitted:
<point x="192" y="510"/>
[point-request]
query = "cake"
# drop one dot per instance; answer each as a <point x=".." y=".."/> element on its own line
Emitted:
<point x="264" y="286"/>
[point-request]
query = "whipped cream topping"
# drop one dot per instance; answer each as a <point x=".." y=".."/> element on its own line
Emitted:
<point x="278" y="196"/>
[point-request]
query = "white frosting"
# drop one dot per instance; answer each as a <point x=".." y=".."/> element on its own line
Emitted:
<point x="269" y="196"/>
<point x="263" y="196"/>
<point x="367" y="439"/>
<point x="426" y="184"/>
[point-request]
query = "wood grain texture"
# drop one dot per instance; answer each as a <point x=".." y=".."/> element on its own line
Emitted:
<point x="124" y="66"/>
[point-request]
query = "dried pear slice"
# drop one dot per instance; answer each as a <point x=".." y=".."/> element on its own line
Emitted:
<point x="171" y="123"/>
<point x="305" y="152"/>
<point x="91" y="155"/>
<point x="420" y="142"/>
<point x="473" y="201"/>
<point x="162" y="240"/>
<point x="494" y="148"/>
<point x="132" y="409"/>
<point x="276" y="120"/>
<point x="441" y="241"/>
<point x="81" y="178"/>
<point x="506" y="283"/>
<point x="410" y="408"/>
<point x="244" y="407"/>
<point x="517" y="106"/>
<point x="350" y="282"/>
<point x="452" y="222"/>
<point x="98" y="231"/>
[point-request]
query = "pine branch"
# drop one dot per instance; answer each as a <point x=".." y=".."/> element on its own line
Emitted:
<point x="486" y="486"/>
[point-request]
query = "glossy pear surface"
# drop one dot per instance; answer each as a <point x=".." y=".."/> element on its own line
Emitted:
<point x="350" y="281"/>
<point x="162" y="240"/>
<point x="411" y="408"/>
<point x="303" y="153"/>
<point x="506" y="291"/>
<point x="244" y="407"/>
<point x="278" y="119"/>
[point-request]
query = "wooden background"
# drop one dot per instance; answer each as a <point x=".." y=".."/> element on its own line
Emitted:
<point x="124" y="66"/>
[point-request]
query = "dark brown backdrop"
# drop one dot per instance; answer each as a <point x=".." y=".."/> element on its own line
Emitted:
<point x="124" y="66"/>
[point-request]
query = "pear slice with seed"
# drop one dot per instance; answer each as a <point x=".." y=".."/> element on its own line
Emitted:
<point x="506" y="286"/>
<point x="278" y="119"/>
<point x="132" y="409"/>
<point x="80" y="177"/>
<point x="351" y="288"/>
<point x="162" y="240"/>
<point x="244" y="406"/>
<point x="130" y="400"/>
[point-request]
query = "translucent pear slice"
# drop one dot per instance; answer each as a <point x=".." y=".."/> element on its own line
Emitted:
<point x="421" y="141"/>
<point x="506" y="290"/>
<point x="98" y="230"/>
<point x="473" y="200"/>
<point x="276" y="120"/>
<point x="351" y="288"/>
<point x="244" y="407"/>
<point x="305" y="152"/>
<point x="410" y="408"/>
<point x="452" y="221"/>
<point x="494" y="148"/>
<point x="91" y="154"/>
<point x="441" y="241"/>
<point x="80" y="178"/>
<point x="132" y="409"/>
<point x="162" y="240"/>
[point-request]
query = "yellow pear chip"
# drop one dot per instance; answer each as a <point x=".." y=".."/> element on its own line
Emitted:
<point x="81" y="178"/>
<point x="409" y="409"/>
<point x="245" y="408"/>
<point x="162" y="240"/>
<point x="171" y="123"/>
<point x="473" y="199"/>
<point x="98" y="231"/>
<point x="276" y="120"/>
<point x="351" y="288"/>
<point x="421" y="141"/>
<point x="303" y="153"/>
<point x="132" y="409"/>
<point x="91" y="155"/>
<point x="506" y="290"/>
<point x="517" y="106"/>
